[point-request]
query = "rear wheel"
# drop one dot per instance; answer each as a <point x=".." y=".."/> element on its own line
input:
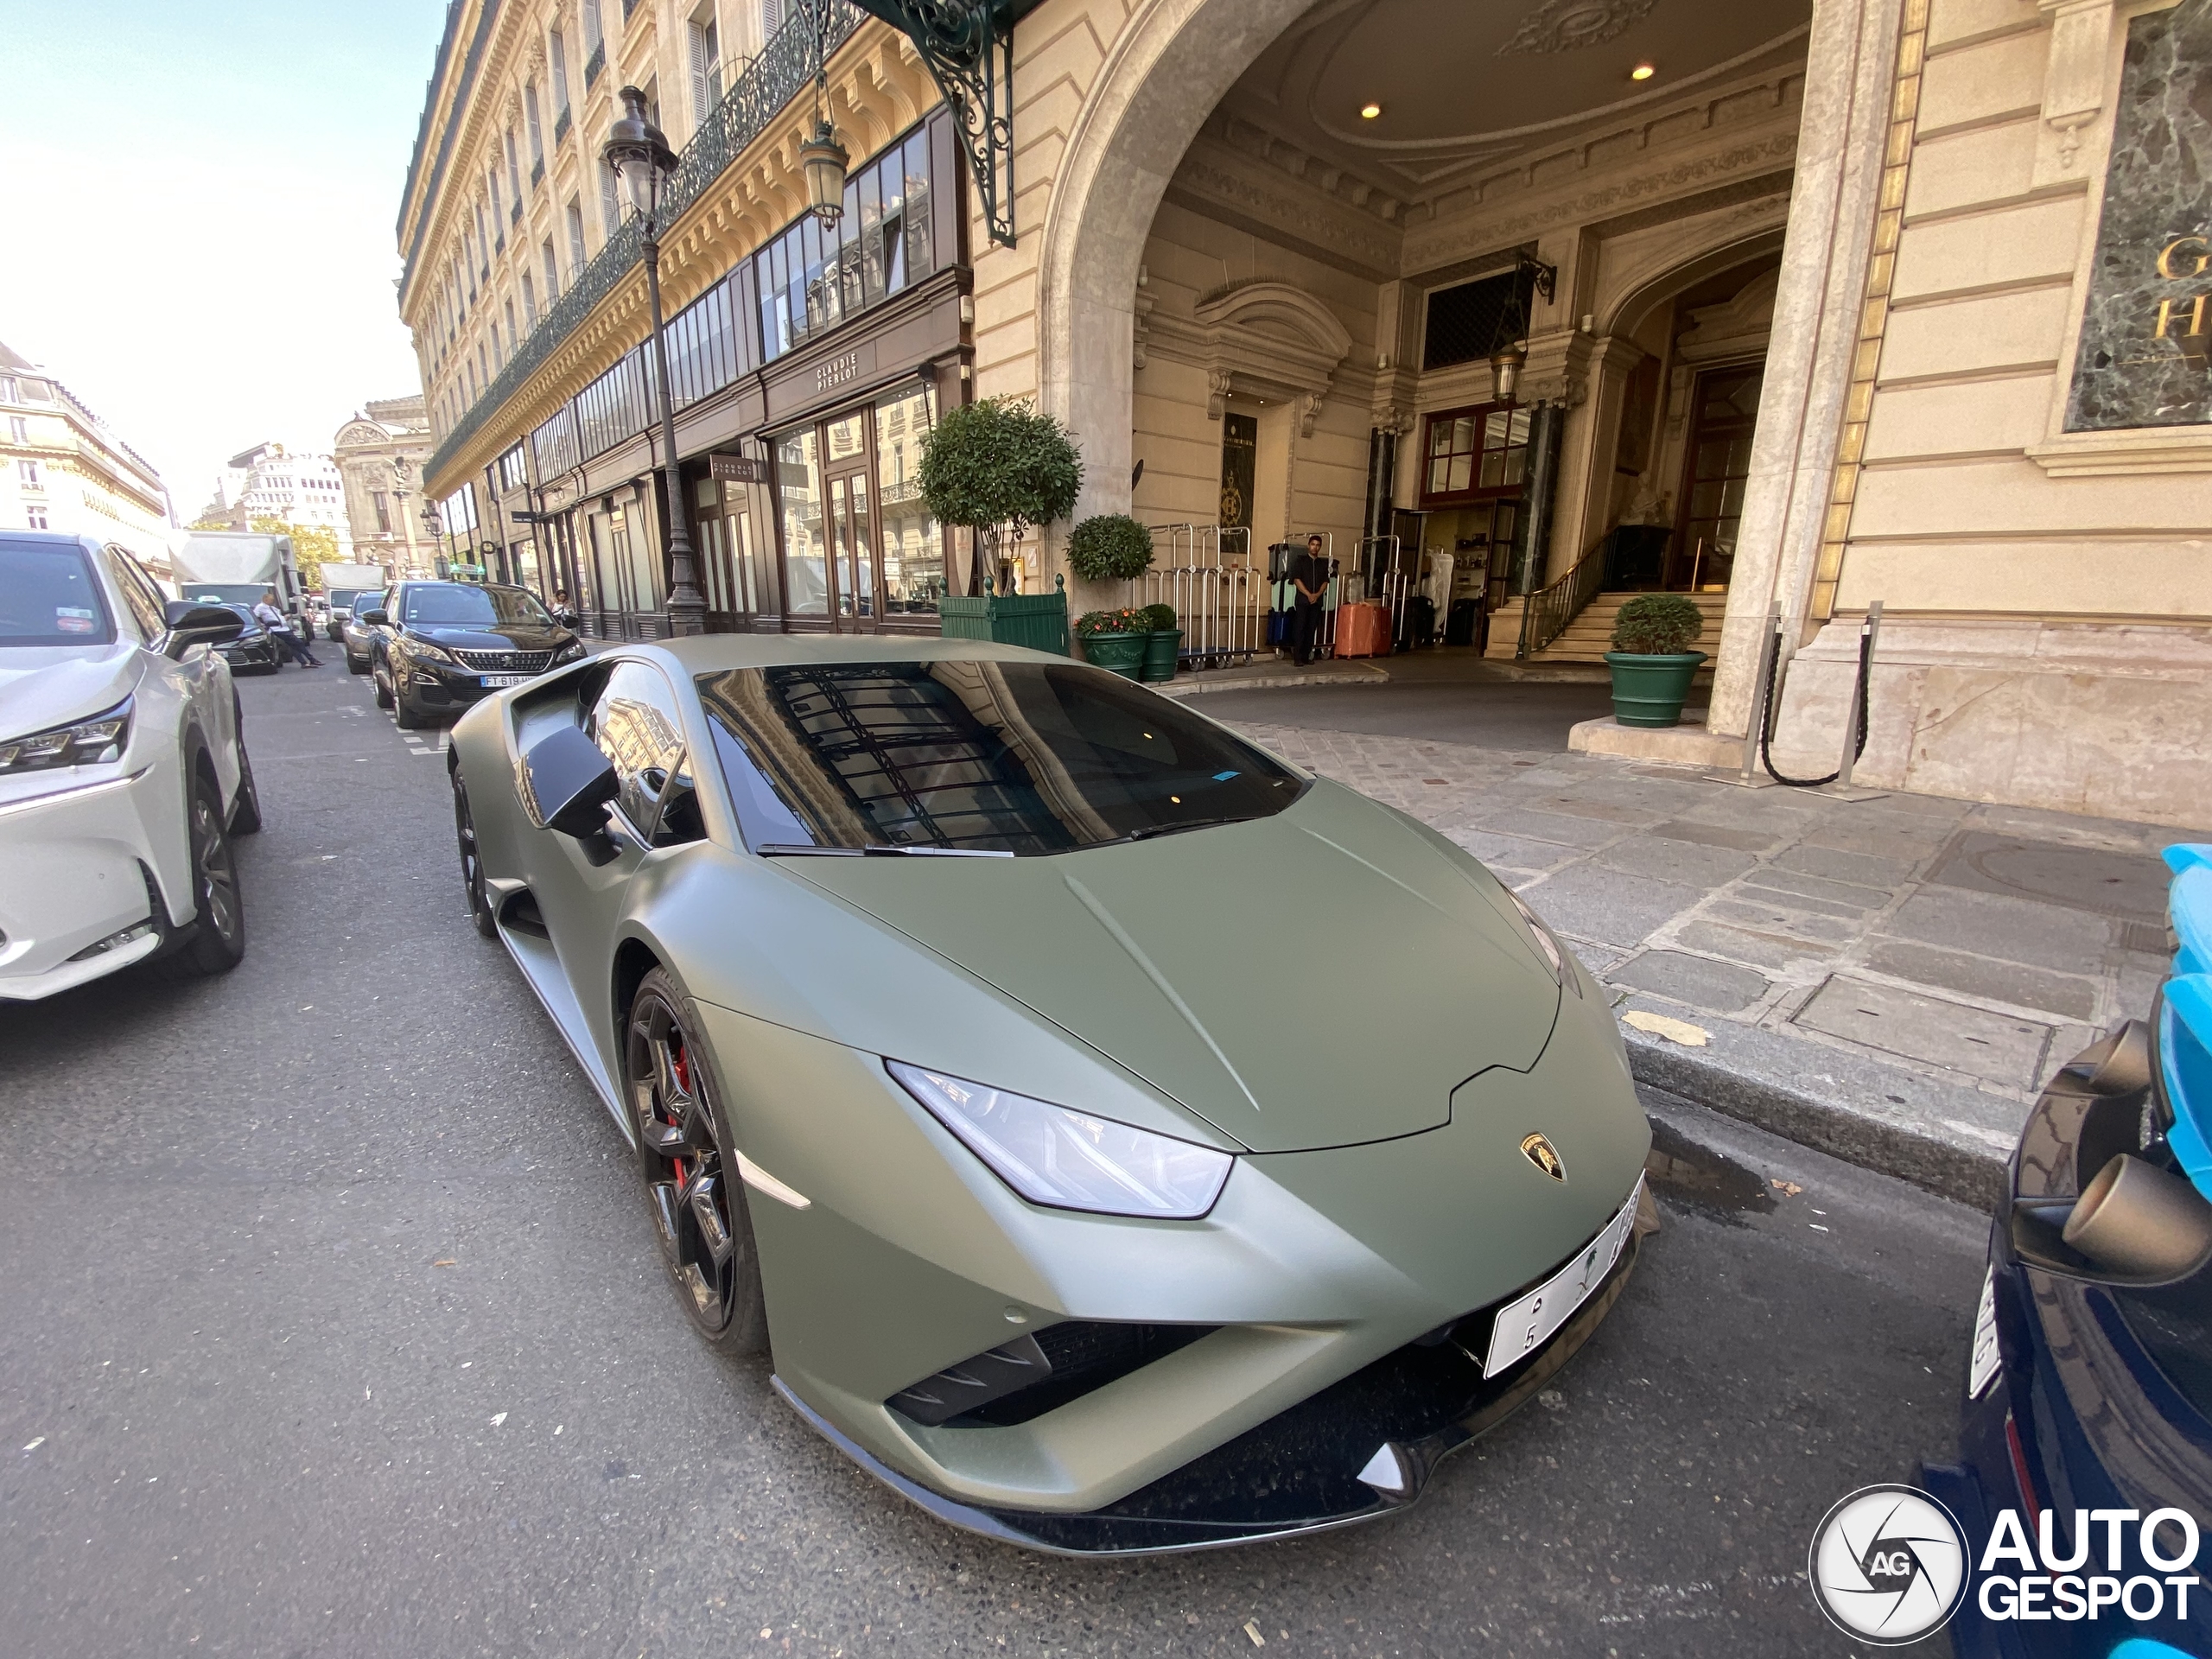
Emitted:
<point x="403" y="713"/>
<point x="217" y="939"/>
<point x="356" y="664"/>
<point x="472" y="863"/>
<point x="381" y="667"/>
<point x="698" y="1200"/>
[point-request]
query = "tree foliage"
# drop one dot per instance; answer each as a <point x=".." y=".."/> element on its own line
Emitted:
<point x="999" y="464"/>
<point x="313" y="545"/>
<point x="1110" y="547"/>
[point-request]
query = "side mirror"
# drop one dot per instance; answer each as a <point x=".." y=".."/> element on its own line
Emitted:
<point x="377" y="618"/>
<point x="190" y="625"/>
<point x="572" y="781"/>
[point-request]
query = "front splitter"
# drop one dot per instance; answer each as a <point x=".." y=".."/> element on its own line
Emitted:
<point x="1301" y="1471"/>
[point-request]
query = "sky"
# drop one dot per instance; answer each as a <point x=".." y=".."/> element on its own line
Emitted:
<point x="200" y="237"/>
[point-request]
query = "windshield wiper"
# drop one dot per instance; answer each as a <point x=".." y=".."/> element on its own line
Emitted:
<point x="1150" y="831"/>
<point x="793" y="849"/>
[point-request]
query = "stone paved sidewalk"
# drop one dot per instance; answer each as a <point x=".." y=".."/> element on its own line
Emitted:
<point x="1890" y="980"/>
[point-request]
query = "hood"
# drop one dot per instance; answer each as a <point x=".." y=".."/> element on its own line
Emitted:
<point x="45" y="686"/>
<point x="1321" y="978"/>
<point x="515" y="639"/>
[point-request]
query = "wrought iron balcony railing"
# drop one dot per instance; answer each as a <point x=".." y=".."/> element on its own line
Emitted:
<point x="780" y="74"/>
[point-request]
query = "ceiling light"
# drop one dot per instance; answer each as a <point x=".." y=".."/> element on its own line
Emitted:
<point x="1643" y="72"/>
<point x="1368" y="111"/>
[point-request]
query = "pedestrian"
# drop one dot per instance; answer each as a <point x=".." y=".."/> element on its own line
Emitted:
<point x="563" y="613"/>
<point x="1309" y="574"/>
<point x="282" y="631"/>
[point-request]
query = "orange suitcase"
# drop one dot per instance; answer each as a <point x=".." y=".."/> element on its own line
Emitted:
<point x="1363" y="629"/>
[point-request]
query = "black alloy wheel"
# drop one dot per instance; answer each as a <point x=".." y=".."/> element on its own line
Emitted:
<point x="697" y="1199"/>
<point x="382" y="668"/>
<point x="356" y="664"/>
<point x="217" y="943"/>
<point x="472" y="863"/>
<point x="404" y="714"/>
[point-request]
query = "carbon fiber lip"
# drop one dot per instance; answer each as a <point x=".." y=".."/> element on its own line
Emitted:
<point x="1294" y="1473"/>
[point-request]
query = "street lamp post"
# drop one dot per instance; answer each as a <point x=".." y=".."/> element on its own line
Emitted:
<point x="641" y="158"/>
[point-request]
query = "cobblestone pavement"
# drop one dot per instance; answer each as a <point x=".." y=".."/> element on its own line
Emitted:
<point x="1918" y="964"/>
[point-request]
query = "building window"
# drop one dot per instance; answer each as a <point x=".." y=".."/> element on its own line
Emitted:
<point x="771" y="19"/>
<point x="514" y="171"/>
<point x="706" y="64"/>
<point x="811" y="278"/>
<point x="8" y="391"/>
<point x="552" y="272"/>
<point x="536" y="133"/>
<point x="19" y="430"/>
<point x="28" y="474"/>
<point x="492" y="183"/>
<point x="610" y="201"/>
<point x="529" y="302"/>
<point x="595" y="40"/>
<point x="37" y="517"/>
<point x="1473" y="453"/>
<point x="576" y="239"/>
<point x="381" y="503"/>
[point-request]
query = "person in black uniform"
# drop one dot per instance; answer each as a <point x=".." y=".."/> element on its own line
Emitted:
<point x="1309" y="574"/>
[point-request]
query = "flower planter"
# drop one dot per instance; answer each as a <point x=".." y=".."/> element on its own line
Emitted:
<point x="1160" y="648"/>
<point x="1037" y="620"/>
<point x="1119" y="653"/>
<point x="1650" y="690"/>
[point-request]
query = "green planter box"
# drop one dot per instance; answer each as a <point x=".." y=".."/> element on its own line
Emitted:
<point x="1650" y="690"/>
<point x="1037" y="620"/>
<point x="1160" y="648"/>
<point x="1120" y="653"/>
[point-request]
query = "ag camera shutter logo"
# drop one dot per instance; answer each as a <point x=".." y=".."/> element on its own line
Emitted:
<point x="1888" y="1565"/>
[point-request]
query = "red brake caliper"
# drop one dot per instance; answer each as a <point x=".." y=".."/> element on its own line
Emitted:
<point x="682" y="1066"/>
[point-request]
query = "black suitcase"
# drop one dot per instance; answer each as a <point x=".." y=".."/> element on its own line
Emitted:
<point x="1419" y="625"/>
<point x="1460" y="623"/>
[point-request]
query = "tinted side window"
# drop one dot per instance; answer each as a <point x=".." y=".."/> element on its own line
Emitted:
<point x="636" y="725"/>
<point x="140" y="602"/>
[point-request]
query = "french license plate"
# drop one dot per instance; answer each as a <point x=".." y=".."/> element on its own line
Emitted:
<point x="1527" y="1324"/>
<point x="1981" y="1369"/>
<point x="491" y="681"/>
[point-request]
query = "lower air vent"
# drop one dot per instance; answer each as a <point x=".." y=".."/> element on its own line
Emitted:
<point x="1023" y="1379"/>
<point x="520" y="915"/>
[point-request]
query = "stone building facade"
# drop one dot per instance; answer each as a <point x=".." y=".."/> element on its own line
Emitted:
<point x="1822" y="303"/>
<point x="64" y="468"/>
<point x="379" y="454"/>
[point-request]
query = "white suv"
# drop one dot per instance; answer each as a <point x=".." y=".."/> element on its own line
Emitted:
<point x="122" y="772"/>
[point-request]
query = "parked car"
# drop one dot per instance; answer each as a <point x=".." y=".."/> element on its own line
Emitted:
<point x="2089" y="1384"/>
<point x="341" y="606"/>
<point x="357" y="636"/>
<point x="442" y="645"/>
<point x="948" y="996"/>
<point x="123" y="772"/>
<point x="255" y="650"/>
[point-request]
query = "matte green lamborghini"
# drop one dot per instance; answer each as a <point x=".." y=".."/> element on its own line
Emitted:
<point x="1121" y="1139"/>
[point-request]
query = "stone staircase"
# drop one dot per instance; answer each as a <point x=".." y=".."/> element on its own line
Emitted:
<point x="1590" y="636"/>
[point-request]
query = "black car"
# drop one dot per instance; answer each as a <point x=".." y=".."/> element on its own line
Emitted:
<point x="255" y="650"/>
<point x="358" y="637"/>
<point x="440" y="646"/>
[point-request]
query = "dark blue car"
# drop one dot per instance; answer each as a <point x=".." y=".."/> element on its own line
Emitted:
<point x="2085" y="1484"/>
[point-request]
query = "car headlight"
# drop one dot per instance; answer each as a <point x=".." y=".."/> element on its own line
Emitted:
<point x="1070" y="1160"/>
<point x="569" y="652"/>
<point x="1553" y="953"/>
<point x="436" y="653"/>
<point x="104" y="737"/>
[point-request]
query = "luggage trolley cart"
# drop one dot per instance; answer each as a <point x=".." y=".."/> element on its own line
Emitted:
<point x="1205" y="571"/>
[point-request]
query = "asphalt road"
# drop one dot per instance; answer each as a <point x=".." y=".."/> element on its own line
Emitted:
<point x="331" y="1324"/>
<point x="1530" y="715"/>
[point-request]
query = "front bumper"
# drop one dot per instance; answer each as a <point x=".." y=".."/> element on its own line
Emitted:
<point x="78" y="862"/>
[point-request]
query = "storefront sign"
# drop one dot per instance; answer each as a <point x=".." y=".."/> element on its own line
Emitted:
<point x="1240" y="451"/>
<point x="837" y="371"/>
<point x="2145" y="356"/>
<point x="737" y="469"/>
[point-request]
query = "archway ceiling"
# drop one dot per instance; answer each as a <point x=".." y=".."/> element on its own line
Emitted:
<point x="1466" y="83"/>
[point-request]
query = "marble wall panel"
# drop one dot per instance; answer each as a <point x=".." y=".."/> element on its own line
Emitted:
<point x="2152" y="268"/>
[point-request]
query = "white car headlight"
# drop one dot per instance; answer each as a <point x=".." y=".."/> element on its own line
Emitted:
<point x="436" y="653"/>
<point x="1070" y="1160"/>
<point x="1552" y="950"/>
<point x="104" y="737"/>
<point x="569" y="652"/>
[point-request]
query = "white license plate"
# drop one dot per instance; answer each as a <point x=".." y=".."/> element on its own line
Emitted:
<point x="491" y="681"/>
<point x="1529" y="1324"/>
<point x="1981" y="1369"/>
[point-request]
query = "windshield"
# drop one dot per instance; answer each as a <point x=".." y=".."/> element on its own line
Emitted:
<point x="462" y="606"/>
<point x="342" y="599"/>
<point x="48" y="597"/>
<point x="367" y="600"/>
<point x="1026" y="758"/>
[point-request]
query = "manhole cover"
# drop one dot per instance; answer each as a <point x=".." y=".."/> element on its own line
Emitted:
<point x="2127" y="885"/>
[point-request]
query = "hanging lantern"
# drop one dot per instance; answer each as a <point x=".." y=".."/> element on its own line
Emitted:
<point x="823" y="159"/>
<point x="1505" y="369"/>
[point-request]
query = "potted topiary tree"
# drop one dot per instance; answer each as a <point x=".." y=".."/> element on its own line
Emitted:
<point x="1162" y="641"/>
<point x="998" y="466"/>
<point x="1113" y="640"/>
<point x="1112" y="546"/>
<point x="1652" y="660"/>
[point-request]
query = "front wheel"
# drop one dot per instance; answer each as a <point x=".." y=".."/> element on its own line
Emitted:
<point x="217" y="943"/>
<point x="356" y="664"/>
<point x="472" y="862"/>
<point x="382" y="671"/>
<point x="692" y="1186"/>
